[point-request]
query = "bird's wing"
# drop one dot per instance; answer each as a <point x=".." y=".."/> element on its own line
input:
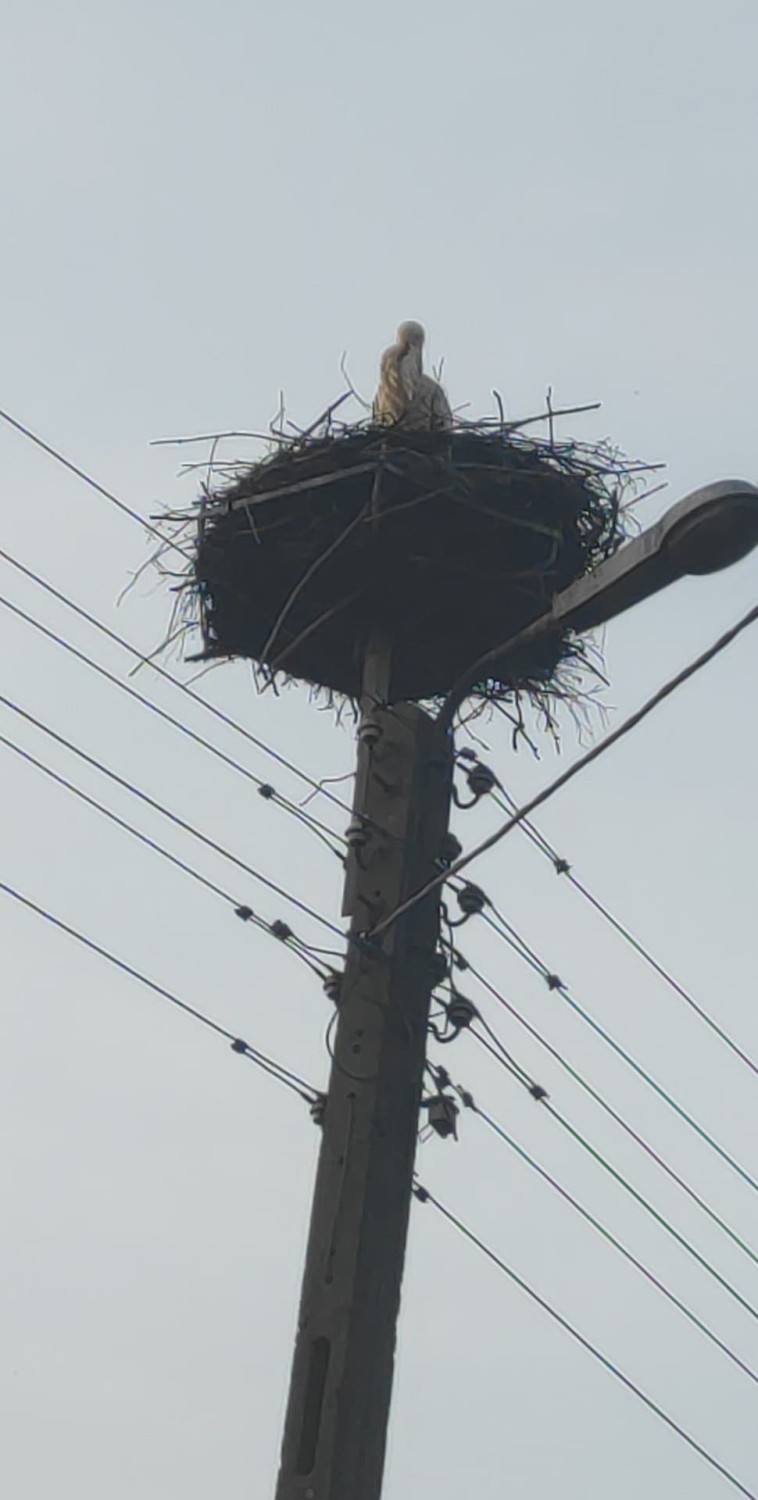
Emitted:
<point x="390" y="399"/>
<point x="436" y="407"/>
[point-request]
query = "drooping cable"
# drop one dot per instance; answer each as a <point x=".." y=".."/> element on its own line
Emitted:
<point x="73" y="468"/>
<point x="611" y="1112"/>
<point x="313" y="824"/>
<point x="606" y="1233"/>
<point x="240" y="908"/>
<point x="498" y="924"/>
<point x="277" y="1070"/>
<point x="172" y="817"/>
<point x="627" y="1186"/>
<point x="316" y="786"/>
<point x="508" y="805"/>
<point x="425" y="1196"/>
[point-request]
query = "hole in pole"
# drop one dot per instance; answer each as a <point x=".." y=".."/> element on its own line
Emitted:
<point x="313" y="1405"/>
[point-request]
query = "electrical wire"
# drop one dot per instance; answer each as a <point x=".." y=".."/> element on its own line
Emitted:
<point x="508" y="934"/>
<point x="507" y="804"/>
<point x="588" y="1088"/>
<point x="316" y="786"/>
<point x="172" y="817"/>
<point x="425" y="1196"/>
<point x="93" y="483"/>
<point x="293" y="943"/>
<point x="277" y="1070"/>
<point x="313" y="824"/>
<point x="623" y="729"/>
<point x="596" y="1224"/>
<point x="628" y="1187"/>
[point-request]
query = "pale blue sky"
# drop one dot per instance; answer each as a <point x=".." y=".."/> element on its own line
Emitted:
<point x="204" y="205"/>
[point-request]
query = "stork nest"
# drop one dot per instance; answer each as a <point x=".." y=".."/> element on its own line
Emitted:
<point x="448" y="542"/>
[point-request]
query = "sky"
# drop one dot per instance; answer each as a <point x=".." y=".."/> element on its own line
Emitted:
<point x="204" y="206"/>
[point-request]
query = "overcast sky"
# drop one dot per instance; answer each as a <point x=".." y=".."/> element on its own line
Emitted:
<point x="204" y="205"/>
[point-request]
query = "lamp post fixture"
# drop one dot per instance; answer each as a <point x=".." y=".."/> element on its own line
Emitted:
<point x="710" y="529"/>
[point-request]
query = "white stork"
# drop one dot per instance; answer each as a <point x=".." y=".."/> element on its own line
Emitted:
<point x="406" y="397"/>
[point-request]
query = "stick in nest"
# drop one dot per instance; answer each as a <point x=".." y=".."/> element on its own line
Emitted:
<point x="307" y="575"/>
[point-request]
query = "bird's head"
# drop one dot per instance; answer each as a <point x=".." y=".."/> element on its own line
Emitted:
<point x="410" y="336"/>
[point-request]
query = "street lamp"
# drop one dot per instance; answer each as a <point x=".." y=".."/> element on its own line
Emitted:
<point x="708" y="530"/>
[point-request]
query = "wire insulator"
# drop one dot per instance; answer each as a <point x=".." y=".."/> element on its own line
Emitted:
<point x="439" y="969"/>
<point x="450" y="850"/>
<point x="537" y="1092"/>
<point x="481" y="779"/>
<point x="562" y="866"/>
<point x="267" y="791"/>
<point x="280" y="930"/>
<point x="238" y="1045"/>
<point x="461" y="1012"/>
<point x="443" y="1116"/>
<point x="471" y="899"/>
<point x="554" y="981"/>
<point x="245" y="913"/>
<point x="333" y="986"/>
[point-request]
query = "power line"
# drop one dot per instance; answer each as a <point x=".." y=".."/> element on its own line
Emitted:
<point x="277" y="1070"/>
<point x="579" y="765"/>
<point x="425" y="1196"/>
<point x="93" y="483"/>
<point x="211" y="708"/>
<point x="562" y="867"/>
<point x="248" y="915"/>
<point x="92" y="620"/>
<point x="173" y="817"/>
<point x="509" y="935"/>
<point x="270" y="792"/>
<point x="628" y="1188"/>
<point x="606" y="1233"/>
<point x="609" y="1109"/>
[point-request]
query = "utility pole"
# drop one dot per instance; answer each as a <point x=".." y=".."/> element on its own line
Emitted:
<point x="336" y="1424"/>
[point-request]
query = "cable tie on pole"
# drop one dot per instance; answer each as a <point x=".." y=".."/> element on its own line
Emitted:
<point x="371" y="946"/>
<point x="420" y="1192"/>
<point x="317" y="1109"/>
<point x="333" y="986"/>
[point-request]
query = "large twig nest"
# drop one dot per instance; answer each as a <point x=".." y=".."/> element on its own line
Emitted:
<point x="450" y="542"/>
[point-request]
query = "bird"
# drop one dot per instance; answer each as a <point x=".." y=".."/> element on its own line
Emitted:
<point x="406" y="397"/>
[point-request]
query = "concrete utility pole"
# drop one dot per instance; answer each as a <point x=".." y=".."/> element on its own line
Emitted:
<point x="336" y="1423"/>
<point x="341" y="1384"/>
